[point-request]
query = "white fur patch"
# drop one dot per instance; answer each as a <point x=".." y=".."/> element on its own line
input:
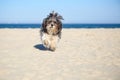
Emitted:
<point x="51" y="39"/>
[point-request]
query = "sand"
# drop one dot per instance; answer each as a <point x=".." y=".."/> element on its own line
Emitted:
<point x="82" y="54"/>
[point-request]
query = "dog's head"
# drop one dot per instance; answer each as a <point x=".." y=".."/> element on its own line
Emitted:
<point x="52" y="24"/>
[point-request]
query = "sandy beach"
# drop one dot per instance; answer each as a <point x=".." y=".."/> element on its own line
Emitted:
<point x="82" y="54"/>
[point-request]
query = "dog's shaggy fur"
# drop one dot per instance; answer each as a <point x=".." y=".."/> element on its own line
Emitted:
<point x="51" y="30"/>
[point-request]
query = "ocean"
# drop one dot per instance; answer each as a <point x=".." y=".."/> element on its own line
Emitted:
<point x="64" y="26"/>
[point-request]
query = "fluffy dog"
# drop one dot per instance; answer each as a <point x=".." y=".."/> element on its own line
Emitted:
<point x="51" y="30"/>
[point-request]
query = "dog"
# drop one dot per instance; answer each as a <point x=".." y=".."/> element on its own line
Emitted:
<point x="51" y="31"/>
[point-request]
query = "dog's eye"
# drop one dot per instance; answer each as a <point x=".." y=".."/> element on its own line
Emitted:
<point x="55" y="22"/>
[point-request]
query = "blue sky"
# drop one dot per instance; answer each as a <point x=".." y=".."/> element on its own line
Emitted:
<point x="73" y="11"/>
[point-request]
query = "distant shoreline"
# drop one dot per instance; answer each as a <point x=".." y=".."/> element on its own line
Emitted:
<point x="70" y="25"/>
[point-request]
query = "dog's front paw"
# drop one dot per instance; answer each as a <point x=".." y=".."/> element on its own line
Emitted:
<point x="46" y="43"/>
<point x="52" y="48"/>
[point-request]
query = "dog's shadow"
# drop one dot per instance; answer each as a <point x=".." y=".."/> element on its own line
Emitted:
<point x="40" y="47"/>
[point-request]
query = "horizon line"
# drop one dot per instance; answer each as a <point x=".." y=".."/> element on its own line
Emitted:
<point x="63" y="23"/>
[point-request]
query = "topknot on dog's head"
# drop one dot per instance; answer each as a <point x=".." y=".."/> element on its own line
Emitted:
<point x="55" y="15"/>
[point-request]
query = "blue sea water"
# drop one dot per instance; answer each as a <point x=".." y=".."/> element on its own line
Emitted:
<point x="64" y="26"/>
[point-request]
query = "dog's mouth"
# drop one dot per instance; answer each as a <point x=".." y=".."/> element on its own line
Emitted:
<point x="52" y="30"/>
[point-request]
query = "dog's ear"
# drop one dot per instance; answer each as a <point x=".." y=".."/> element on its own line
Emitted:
<point x="44" y="24"/>
<point x="60" y="17"/>
<point x="59" y="26"/>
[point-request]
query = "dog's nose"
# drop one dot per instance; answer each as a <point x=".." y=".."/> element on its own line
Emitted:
<point x="51" y="24"/>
